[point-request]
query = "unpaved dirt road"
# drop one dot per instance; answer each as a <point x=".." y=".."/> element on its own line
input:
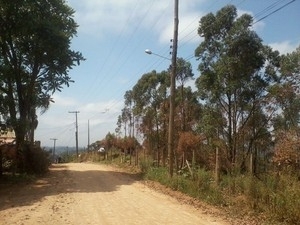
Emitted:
<point x="83" y="193"/>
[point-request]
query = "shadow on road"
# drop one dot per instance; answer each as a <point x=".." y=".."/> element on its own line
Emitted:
<point x="61" y="180"/>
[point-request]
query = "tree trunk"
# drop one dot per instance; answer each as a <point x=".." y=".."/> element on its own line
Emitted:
<point x="217" y="168"/>
<point x="20" y="159"/>
<point x="251" y="163"/>
<point x="1" y="159"/>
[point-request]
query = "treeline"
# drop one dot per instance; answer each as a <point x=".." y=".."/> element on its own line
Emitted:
<point x="244" y="105"/>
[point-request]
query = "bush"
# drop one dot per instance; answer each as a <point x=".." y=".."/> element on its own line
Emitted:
<point x="159" y="174"/>
<point x="276" y="196"/>
<point x="201" y="187"/>
<point x="145" y="165"/>
<point x="285" y="201"/>
<point x="36" y="159"/>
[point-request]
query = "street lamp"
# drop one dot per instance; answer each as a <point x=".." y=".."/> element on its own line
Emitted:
<point x="149" y="52"/>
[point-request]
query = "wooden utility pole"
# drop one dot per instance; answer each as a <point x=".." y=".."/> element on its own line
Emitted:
<point x="88" y="146"/>
<point x="172" y="91"/>
<point x="76" y="133"/>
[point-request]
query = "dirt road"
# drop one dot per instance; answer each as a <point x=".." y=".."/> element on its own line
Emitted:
<point x="83" y="193"/>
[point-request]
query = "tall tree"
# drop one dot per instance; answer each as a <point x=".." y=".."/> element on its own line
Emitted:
<point x="35" y="38"/>
<point x="149" y="95"/>
<point x="231" y="57"/>
<point x="183" y="74"/>
<point x="129" y="106"/>
<point x="286" y="92"/>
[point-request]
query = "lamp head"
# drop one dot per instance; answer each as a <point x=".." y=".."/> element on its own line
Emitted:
<point x="148" y="51"/>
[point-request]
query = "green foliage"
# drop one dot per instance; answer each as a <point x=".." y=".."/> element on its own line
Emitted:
<point x="278" y="198"/>
<point x="233" y="82"/>
<point x="159" y="174"/>
<point x="284" y="201"/>
<point x="9" y="179"/>
<point x="202" y="187"/>
<point x="35" y="58"/>
<point x="37" y="160"/>
<point x="145" y="165"/>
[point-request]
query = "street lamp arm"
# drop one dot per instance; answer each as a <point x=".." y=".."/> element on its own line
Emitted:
<point x="149" y="52"/>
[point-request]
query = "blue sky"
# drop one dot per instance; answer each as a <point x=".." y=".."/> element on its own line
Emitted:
<point x="113" y="35"/>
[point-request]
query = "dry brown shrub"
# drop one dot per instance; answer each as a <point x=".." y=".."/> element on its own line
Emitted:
<point x="287" y="150"/>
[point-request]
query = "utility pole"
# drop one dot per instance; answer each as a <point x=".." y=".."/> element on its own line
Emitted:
<point x="88" y="147"/>
<point x="76" y="132"/>
<point x="172" y="91"/>
<point x="53" y="153"/>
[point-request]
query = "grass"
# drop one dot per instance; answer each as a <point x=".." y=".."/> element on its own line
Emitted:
<point x="201" y="187"/>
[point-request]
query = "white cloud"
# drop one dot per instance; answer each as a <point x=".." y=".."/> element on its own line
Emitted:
<point x="120" y="17"/>
<point x="187" y="29"/>
<point x="99" y="17"/>
<point x="284" y="47"/>
<point x="101" y="107"/>
<point x="63" y="101"/>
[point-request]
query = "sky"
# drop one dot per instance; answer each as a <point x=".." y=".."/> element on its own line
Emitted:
<point x="113" y="36"/>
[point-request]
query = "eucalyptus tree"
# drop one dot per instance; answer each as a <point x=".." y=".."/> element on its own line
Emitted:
<point x="193" y="108"/>
<point x="286" y="92"/>
<point x="184" y="73"/>
<point x="187" y="115"/>
<point x="232" y="78"/>
<point x="127" y="117"/>
<point x="149" y="96"/>
<point x="118" y="129"/>
<point x="35" y="58"/>
<point x="110" y="140"/>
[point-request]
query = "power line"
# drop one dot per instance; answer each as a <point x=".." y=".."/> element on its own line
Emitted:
<point x="106" y="80"/>
<point x="268" y="8"/>
<point x="274" y="11"/>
